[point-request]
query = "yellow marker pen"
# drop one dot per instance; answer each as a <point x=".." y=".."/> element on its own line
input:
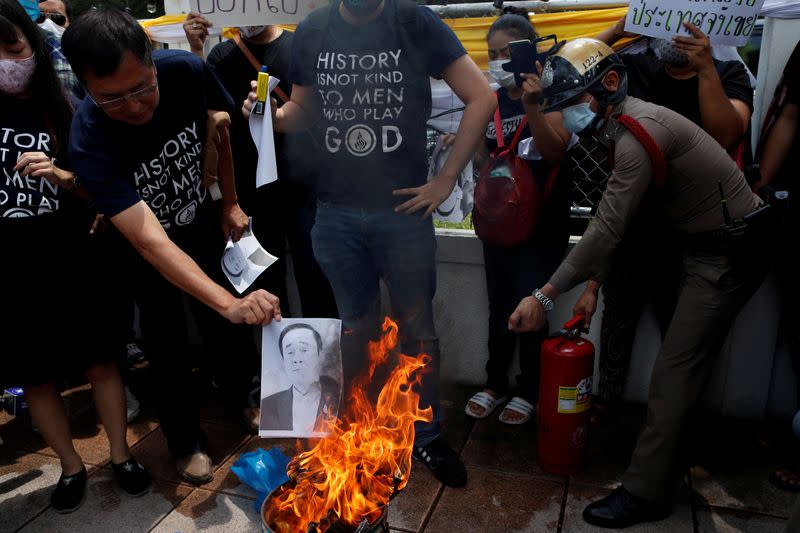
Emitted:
<point x="262" y="91"/>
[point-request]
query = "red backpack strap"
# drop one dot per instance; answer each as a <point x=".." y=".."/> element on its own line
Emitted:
<point x="498" y="124"/>
<point x="650" y="146"/>
<point x="551" y="180"/>
<point x="515" y="140"/>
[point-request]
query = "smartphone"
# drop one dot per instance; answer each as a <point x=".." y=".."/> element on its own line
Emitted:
<point x="524" y="55"/>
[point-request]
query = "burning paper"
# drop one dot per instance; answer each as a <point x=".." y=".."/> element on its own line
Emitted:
<point x="350" y="477"/>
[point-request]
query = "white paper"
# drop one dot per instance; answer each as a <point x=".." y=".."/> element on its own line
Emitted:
<point x="249" y="13"/>
<point x="726" y="23"/>
<point x="243" y="261"/>
<point x="264" y="139"/>
<point x="298" y="365"/>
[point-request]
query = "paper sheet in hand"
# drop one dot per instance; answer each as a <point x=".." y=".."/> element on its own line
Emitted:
<point x="261" y="131"/>
<point x="726" y="23"/>
<point x="243" y="261"/>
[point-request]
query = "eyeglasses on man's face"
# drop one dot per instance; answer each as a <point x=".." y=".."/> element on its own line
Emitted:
<point x="116" y="103"/>
<point x="57" y="18"/>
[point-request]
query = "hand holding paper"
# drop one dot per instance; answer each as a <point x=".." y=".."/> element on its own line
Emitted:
<point x="261" y="131"/>
<point x="725" y="23"/>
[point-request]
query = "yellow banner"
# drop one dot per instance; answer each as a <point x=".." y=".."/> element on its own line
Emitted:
<point x="470" y="31"/>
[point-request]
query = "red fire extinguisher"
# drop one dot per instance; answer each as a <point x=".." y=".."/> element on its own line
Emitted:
<point x="564" y="399"/>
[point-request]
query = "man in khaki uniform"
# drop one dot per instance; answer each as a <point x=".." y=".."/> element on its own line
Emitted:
<point x="586" y="80"/>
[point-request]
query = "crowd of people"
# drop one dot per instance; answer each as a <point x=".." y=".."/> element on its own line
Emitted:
<point x="126" y="169"/>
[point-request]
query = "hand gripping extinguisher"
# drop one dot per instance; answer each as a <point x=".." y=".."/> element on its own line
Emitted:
<point x="564" y="399"/>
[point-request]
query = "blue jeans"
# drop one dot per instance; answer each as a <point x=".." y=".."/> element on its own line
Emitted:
<point x="356" y="249"/>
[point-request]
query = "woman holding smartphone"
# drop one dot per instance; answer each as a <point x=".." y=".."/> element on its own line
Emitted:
<point x="514" y="272"/>
<point x="55" y="320"/>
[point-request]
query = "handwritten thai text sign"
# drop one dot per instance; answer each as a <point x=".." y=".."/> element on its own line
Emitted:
<point x="726" y="22"/>
<point x="254" y="12"/>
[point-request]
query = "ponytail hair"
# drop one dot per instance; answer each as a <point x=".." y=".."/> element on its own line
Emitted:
<point x="515" y="22"/>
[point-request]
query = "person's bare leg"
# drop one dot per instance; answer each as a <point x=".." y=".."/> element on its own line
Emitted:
<point x="109" y="399"/>
<point x="47" y="410"/>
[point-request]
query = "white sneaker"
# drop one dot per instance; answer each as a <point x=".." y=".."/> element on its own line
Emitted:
<point x="132" y="405"/>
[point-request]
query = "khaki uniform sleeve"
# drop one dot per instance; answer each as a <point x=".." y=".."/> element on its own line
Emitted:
<point x="626" y="187"/>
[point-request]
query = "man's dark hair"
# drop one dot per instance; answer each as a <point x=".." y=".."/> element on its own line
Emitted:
<point x="99" y="38"/>
<point x="293" y="327"/>
<point x="515" y="22"/>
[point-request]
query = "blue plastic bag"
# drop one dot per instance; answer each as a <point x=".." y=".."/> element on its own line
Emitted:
<point x="262" y="470"/>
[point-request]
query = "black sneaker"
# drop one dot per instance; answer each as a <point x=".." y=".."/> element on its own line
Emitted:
<point x="443" y="462"/>
<point x="69" y="492"/>
<point x="131" y="477"/>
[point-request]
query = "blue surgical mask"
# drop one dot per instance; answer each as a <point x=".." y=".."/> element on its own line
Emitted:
<point x="31" y="8"/>
<point x="578" y="117"/>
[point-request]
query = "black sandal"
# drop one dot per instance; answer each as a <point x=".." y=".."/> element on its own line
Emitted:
<point x="70" y="492"/>
<point x="131" y="477"/>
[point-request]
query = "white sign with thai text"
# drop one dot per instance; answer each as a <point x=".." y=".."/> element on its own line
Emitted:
<point x="726" y="22"/>
<point x="229" y="13"/>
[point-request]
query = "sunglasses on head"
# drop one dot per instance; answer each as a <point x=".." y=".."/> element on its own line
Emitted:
<point x="57" y="18"/>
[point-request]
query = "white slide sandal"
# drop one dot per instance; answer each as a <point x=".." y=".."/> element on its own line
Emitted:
<point x="485" y="400"/>
<point x="519" y="406"/>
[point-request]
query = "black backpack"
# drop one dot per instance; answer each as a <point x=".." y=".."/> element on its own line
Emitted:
<point x="406" y="18"/>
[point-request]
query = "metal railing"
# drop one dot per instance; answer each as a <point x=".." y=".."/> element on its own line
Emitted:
<point x="586" y="164"/>
<point x="534" y="6"/>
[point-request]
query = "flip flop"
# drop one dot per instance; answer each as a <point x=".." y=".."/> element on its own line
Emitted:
<point x="519" y="406"/>
<point x="485" y="400"/>
<point x="783" y="483"/>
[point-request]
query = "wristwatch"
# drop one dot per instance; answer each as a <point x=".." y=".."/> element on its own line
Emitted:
<point x="546" y="302"/>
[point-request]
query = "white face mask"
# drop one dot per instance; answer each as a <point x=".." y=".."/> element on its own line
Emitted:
<point x="248" y="32"/>
<point x="16" y="74"/>
<point x="51" y="27"/>
<point x="505" y="79"/>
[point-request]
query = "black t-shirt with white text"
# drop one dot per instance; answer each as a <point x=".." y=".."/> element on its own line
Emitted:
<point x="372" y="103"/>
<point x="159" y="162"/>
<point x="511" y="115"/>
<point x="23" y="129"/>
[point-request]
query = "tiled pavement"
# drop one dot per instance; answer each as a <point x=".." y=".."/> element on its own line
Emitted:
<point x="507" y="492"/>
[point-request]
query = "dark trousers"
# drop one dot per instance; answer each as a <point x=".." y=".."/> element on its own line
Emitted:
<point x="715" y="289"/>
<point x="285" y="212"/>
<point x="511" y="275"/>
<point x="358" y="248"/>
<point x="644" y="269"/>
<point x="229" y="348"/>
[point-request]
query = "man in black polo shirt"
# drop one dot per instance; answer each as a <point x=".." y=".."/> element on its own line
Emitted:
<point x="137" y="146"/>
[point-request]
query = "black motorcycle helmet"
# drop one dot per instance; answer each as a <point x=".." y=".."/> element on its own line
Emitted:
<point x="579" y="67"/>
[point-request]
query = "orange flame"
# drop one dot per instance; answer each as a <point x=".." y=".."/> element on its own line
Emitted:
<point x="350" y="476"/>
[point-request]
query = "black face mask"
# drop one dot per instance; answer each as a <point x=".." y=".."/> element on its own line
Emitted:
<point x="361" y="8"/>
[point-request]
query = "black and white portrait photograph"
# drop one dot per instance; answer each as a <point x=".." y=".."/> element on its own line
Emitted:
<point x="301" y="377"/>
